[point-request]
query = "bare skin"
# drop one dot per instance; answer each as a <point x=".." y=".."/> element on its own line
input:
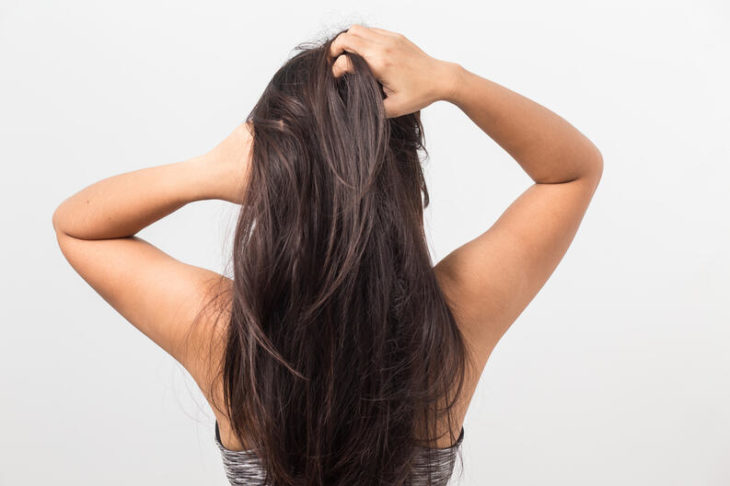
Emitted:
<point x="489" y="280"/>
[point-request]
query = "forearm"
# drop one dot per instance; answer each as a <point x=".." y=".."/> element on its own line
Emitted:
<point x="547" y="147"/>
<point x="121" y="205"/>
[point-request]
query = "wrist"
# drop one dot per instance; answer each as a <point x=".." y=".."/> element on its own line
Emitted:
<point x="217" y="177"/>
<point x="199" y="181"/>
<point x="451" y="80"/>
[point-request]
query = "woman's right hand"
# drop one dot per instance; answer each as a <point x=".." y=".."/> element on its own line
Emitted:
<point x="411" y="78"/>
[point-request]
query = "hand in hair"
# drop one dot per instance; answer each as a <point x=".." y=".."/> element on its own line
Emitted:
<point x="411" y="78"/>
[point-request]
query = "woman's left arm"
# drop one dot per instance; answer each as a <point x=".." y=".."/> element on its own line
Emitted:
<point x="158" y="294"/>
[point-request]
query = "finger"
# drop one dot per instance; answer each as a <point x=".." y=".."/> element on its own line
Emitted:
<point x="384" y="32"/>
<point x="342" y="65"/>
<point x="348" y="42"/>
<point x="369" y="33"/>
<point x="372" y="35"/>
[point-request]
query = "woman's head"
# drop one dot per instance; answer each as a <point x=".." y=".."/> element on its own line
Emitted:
<point x="340" y="351"/>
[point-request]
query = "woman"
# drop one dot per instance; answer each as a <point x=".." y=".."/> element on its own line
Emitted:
<point x="337" y="354"/>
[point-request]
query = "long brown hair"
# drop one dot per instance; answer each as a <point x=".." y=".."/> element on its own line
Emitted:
<point x="341" y="350"/>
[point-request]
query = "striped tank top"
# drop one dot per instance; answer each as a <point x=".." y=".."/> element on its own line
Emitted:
<point x="244" y="467"/>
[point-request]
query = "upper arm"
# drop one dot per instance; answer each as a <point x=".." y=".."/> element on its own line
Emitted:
<point x="159" y="295"/>
<point x="492" y="278"/>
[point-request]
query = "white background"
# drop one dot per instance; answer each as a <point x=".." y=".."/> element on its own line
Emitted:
<point x="617" y="373"/>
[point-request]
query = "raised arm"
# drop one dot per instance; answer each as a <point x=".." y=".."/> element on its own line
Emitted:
<point x="161" y="296"/>
<point x="492" y="278"/>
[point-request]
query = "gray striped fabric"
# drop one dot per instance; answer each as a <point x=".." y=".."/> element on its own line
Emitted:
<point x="244" y="467"/>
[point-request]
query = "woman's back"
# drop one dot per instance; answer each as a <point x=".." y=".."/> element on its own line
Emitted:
<point x="243" y="466"/>
<point x="213" y="388"/>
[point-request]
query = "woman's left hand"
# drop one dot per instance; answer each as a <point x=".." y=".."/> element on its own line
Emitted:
<point x="226" y="166"/>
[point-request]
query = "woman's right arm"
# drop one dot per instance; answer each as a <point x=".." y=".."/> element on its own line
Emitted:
<point x="492" y="278"/>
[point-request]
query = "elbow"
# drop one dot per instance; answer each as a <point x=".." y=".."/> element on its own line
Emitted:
<point x="591" y="168"/>
<point x="55" y="219"/>
<point x="594" y="165"/>
<point x="598" y="165"/>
